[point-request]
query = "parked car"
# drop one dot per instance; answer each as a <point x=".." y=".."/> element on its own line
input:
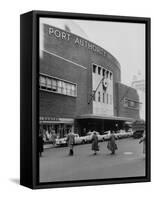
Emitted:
<point x="130" y="133"/>
<point x="121" y="135"/>
<point x="88" y="137"/>
<point x="79" y="140"/>
<point x="138" y="128"/>
<point x="138" y="134"/>
<point x="106" y="135"/>
<point x="61" y="141"/>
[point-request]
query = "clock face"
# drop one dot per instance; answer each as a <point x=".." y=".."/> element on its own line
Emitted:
<point x="105" y="84"/>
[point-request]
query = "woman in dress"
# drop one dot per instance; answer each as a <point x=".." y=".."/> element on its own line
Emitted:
<point x="112" y="146"/>
<point x="95" y="146"/>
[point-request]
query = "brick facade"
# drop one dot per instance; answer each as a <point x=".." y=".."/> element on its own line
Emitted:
<point x="65" y="59"/>
<point x="122" y="92"/>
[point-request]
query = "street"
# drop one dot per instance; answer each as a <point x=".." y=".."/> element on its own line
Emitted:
<point x="56" y="165"/>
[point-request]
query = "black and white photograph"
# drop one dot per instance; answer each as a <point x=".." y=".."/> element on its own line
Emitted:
<point x="92" y="100"/>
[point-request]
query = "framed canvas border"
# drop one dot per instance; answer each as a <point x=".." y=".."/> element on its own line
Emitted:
<point x="29" y="164"/>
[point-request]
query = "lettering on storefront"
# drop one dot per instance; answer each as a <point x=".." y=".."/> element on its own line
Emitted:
<point x="49" y="119"/>
<point x="63" y="120"/>
<point x="77" y="41"/>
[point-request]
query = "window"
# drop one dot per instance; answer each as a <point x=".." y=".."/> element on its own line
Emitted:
<point x="42" y="82"/>
<point x="63" y="87"/>
<point x="107" y="98"/>
<point x="110" y="75"/>
<point x="94" y="68"/>
<point x="73" y="88"/>
<point x="93" y="95"/>
<point x="99" y="70"/>
<point x="110" y="99"/>
<point x="48" y="83"/>
<point x="58" y="86"/>
<point x="131" y="104"/>
<point x="69" y="88"/>
<point x="99" y="96"/>
<point x="103" y="97"/>
<point x="104" y="72"/>
<point x="107" y="74"/>
<point x="53" y="85"/>
<point x="125" y="102"/>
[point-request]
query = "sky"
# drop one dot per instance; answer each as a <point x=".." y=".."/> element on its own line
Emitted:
<point x="125" y="41"/>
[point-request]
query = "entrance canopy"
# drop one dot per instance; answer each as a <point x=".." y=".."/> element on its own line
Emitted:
<point x="105" y="117"/>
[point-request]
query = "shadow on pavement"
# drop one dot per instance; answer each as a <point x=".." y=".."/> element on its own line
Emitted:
<point x="15" y="180"/>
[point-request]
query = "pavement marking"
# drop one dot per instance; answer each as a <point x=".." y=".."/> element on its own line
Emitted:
<point x="128" y="153"/>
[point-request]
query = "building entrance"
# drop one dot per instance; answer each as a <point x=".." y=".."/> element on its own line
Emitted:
<point x="100" y="125"/>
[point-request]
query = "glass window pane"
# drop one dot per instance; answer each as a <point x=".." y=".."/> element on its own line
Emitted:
<point x="67" y="88"/>
<point x="103" y="97"/>
<point x="99" y="70"/>
<point x="42" y="81"/>
<point x="53" y="84"/>
<point x="59" y="87"/>
<point x="63" y="88"/>
<point x="110" y="99"/>
<point x="94" y="68"/>
<point x="48" y="83"/>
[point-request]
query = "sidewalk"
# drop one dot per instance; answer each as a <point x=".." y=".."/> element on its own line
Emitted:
<point x="48" y="146"/>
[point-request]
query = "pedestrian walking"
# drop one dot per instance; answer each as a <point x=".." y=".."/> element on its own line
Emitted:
<point x="53" y="137"/>
<point x="142" y="140"/>
<point x="71" y="142"/>
<point x="112" y="146"/>
<point x="95" y="146"/>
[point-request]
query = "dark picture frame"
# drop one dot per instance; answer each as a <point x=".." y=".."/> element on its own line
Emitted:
<point x="29" y="98"/>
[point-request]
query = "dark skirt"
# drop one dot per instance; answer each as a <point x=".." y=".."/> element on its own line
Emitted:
<point x="112" y="146"/>
<point x="95" y="146"/>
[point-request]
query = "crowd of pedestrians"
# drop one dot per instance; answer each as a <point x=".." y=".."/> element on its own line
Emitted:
<point x="111" y="144"/>
<point x="46" y="135"/>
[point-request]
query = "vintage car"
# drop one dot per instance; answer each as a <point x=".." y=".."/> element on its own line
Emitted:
<point x="78" y="140"/>
<point x="106" y="135"/>
<point x="88" y="137"/>
<point x="61" y="141"/>
<point x="138" y="128"/>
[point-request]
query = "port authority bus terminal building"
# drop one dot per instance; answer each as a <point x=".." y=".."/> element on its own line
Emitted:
<point x="80" y="86"/>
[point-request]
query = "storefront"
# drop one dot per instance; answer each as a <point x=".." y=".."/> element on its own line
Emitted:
<point x="101" y="124"/>
<point x="61" y="126"/>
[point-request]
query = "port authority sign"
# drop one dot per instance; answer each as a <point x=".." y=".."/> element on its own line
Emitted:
<point x="63" y="35"/>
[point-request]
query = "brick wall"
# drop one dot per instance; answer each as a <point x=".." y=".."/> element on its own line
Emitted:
<point x="122" y="92"/>
<point x="60" y="68"/>
<point x="56" y="105"/>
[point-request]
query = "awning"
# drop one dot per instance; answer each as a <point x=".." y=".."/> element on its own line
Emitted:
<point x="106" y="117"/>
<point x="57" y="121"/>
